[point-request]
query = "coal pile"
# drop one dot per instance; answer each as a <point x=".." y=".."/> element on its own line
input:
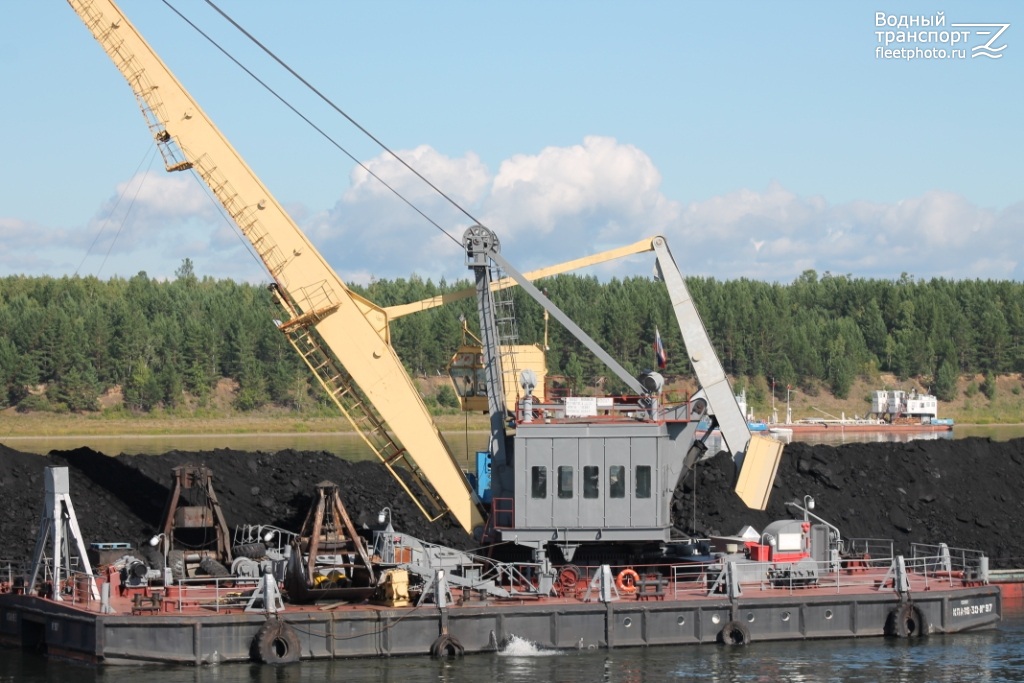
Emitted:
<point x="122" y="498"/>
<point x="966" y="493"/>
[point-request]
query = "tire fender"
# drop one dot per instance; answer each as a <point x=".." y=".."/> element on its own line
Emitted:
<point x="276" y="643"/>
<point x="906" y="621"/>
<point x="734" y="633"/>
<point x="446" y="646"/>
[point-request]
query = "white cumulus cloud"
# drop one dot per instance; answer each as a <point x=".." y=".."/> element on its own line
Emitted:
<point x="938" y="234"/>
<point x="596" y="192"/>
<point x="556" y="205"/>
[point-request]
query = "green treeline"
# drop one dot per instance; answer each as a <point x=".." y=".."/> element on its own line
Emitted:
<point x="164" y="341"/>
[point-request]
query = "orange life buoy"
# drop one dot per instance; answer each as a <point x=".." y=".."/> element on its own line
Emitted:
<point x="626" y="581"/>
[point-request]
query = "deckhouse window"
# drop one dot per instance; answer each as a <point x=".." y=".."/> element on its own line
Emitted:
<point x="643" y="481"/>
<point x="591" y="481"/>
<point x="617" y="481"/>
<point x="565" y="481"/>
<point x="539" y="482"/>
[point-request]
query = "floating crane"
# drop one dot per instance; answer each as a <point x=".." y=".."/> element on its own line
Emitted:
<point x="345" y="341"/>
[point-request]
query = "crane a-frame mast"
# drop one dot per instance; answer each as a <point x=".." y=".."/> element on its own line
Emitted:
<point x="341" y="336"/>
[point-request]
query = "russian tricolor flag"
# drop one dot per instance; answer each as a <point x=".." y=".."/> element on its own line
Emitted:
<point x="659" y="350"/>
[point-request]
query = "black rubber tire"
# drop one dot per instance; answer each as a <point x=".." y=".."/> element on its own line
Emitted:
<point x="254" y="551"/>
<point x="923" y="626"/>
<point x="446" y="646"/>
<point x="276" y="643"/>
<point x="212" y="567"/>
<point x="176" y="561"/>
<point x="734" y="633"/>
<point x="906" y="621"/>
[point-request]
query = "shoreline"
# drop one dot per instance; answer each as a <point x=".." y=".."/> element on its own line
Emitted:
<point x="29" y="437"/>
<point x="50" y="426"/>
<point x="78" y="426"/>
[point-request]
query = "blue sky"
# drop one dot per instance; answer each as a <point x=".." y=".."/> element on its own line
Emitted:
<point x="761" y="138"/>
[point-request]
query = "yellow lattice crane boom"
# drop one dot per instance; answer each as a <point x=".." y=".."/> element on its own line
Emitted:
<point x="342" y="337"/>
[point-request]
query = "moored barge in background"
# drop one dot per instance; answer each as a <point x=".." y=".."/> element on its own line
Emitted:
<point x="892" y="412"/>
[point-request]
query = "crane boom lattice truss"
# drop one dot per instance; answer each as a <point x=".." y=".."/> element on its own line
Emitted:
<point x="342" y="337"/>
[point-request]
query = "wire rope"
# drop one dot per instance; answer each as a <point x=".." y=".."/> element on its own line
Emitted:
<point x="317" y="128"/>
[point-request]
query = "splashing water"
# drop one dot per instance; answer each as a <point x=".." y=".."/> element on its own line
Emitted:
<point x="521" y="647"/>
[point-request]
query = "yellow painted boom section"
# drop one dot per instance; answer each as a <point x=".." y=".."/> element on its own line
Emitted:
<point x="189" y="139"/>
<point x="400" y="310"/>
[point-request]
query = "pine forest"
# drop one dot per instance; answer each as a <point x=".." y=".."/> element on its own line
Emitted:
<point x="68" y="340"/>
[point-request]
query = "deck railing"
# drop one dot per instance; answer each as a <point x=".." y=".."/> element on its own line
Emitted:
<point x="209" y="593"/>
<point x="870" y="566"/>
<point x="875" y="567"/>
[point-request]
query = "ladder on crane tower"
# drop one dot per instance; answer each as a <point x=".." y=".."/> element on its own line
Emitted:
<point x="506" y="326"/>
